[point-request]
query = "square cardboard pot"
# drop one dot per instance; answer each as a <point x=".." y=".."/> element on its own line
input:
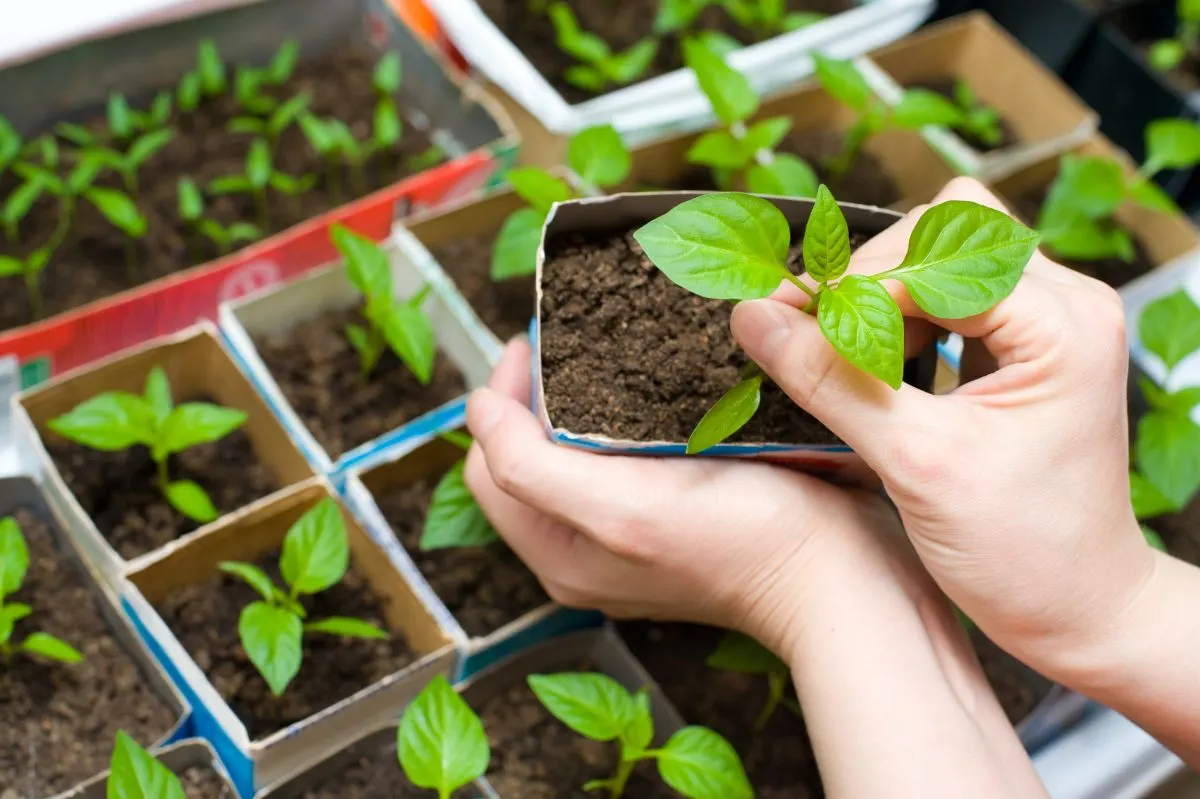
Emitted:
<point x="247" y="536"/>
<point x="402" y="467"/>
<point x="1053" y="30"/>
<point x="458" y="334"/>
<point x="196" y="363"/>
<point x="1045" y="116"/>
<point x="178" y="757"/>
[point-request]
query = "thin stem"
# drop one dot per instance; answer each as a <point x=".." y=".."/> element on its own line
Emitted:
<point x="66" y="215"/>
<point x="797" y="281"/>
<point x="34" y="289"/>
<point x="164" y="478"/>
<point x="444" y="793"/>
<point x="131" y="182"/>
<point x="264" y="210"/>
<point x="622" y="778"/>
<point x="777" y="686"/>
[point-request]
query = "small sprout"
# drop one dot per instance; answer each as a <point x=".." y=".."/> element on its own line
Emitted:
<point x="122" y="213"/>
<point x="600" y="67"/>
<point x="210" y="69"/>
<point x="30" y="269"/>
<point x="248" y="83"/>
<point x="120" y="118"/>
<point x="1168" y="54"/>
<point x="259" y="175"/>
<point x="316" y="554"/>
<point x="962" y="260"/>
<point x="127" y="164"/>
<point x="14" y="563"/>
<point x="429" y="158"/>
<point x="322" y="141"/>
<point x="386" y="79"/>
<point x="191" y="212"/>
<point x="768" y="18"/>
<point x="979" y="121"/>
<point x="188" y="93"/>
<point x="742" y="654"/>
<point x="18" y="204"/>
<point x="10" y="144"/>
<point x="283" y="64"/>
<point x="441" y="743"/>
<point x="75" y="134"/>
<point x="274" y="126"/>
<point x="696" y="761"/>
<point x="454" y="519"/>
<point x="45" y="149"/>
<point x="136" y="774"/>
<point x="118" y="420"/>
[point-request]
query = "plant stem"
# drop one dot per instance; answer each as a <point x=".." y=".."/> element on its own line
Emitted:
<point x="34" y="289"/>
<point x="777" y="684"/>
<point x="619" y="781"/>
<point x="66" y="215"/>
<point x="131" y="182"/>
<point x="163" y="477"/>
<point x="264" y="211"/>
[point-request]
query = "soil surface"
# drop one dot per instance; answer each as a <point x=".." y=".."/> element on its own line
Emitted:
<point x="485" y="587"/>
<point x="372" y="771"/>
<point x="1181" y="532"/>
<point x="119" y="490"/>
<point x="945" y="87"/>
<point x="507" y="306"/>
<point x="318" y="371"/>
<point x="60" y="720"/>
<point x="204" y="617"/>
<point x="204" y="783"/>
<point x="621" y="25"/>
<point x="91" y="263"/>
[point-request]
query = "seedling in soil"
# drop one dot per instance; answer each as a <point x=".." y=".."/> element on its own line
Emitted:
<point x="191" y="211"/>
<point x="260" y="175"/>
<point x="696" y="761"/>
<point x="10" y="145"/>
<point x="316" y="554"/>
<point x="136" y="774"/>
<point x="30" y="269"/>
<point x="118" y="420"/>
<point x="274" y="125"/>
<point x="1167" y="54"/>
<point x="766" y="18"/>
<point x="743" y="154"/>
<point x="978" y="120"/>
<point x="600" y="160"/>
<point x="441" y="743"/>
<point x="600" y="67"/>
<point x="14" y="563"/>
<point x="127" y="164"/>
<point x="742" y="654"/>
<point x="963" y="258"/>
<point x="1077" y="220"/>
<point x="397" y="324"/>
<point x="124" y="123"/>
<point x="206" y="80"/>
<point x="454" y="519"/>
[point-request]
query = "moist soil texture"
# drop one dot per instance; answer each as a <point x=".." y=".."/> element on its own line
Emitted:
<point x="204" y="783"/>
<point x="506" y="306"/>
<point x="945" y="87"/>
<point x="204" y="617"/>
<point x="319" y="373"/>
<point x="372" y="771"/>
<point x="91" y="263"/>
<point x="119" y="490"/>
<point x="60" y="720"/>
<point x="621" y="25"/>
<point x="484" y="587"/>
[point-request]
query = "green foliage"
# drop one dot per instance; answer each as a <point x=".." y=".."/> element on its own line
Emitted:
<point x="136" y="774"/>
<point x="276" y="123"/>
<point x="316" y="554"/>
<point x="10" y="144"/>
<point x="14" y="563"/>
<point x="742" y="654"/>
<point x="962" y="259"/>
<point x="210" y="69"/>
<point x="765" y="18"/>
<point x="441" y="743"/>
<point x="600" y="67"/>
<point x="260" y="174"/>
<point x="1169" y="54"/>
<point x="117" y="420"/>
<point x="696" y="761"/>
<point x="454" y="519"/>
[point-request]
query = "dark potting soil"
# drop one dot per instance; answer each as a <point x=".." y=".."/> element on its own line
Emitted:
<point x="318" y="371"/>
<point x="119" y="490"/>
<point x="204" y="783"/>
<point x="621" y="25"/>
<point x="507" y="306"/>
<point x="204" y="617"/>
<point x="945" y="87"/>
<point x="1181" y="532"/>
<point x="60" y="720"/>
<point x="485" y="587"/>
<point x="372" y="771"/>
<point x="1018" y="687"/>
<point x="91" y="264"/>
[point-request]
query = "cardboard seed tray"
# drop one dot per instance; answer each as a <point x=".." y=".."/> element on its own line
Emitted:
<point x="178" y="757"/>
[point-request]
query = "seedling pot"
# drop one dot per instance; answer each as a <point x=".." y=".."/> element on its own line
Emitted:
<point x="154" y="591"/>
<point x="264" y="327"/>
<point x="255" y="461"/>
<point x="1052" y="30"/>
<point x="185" y="759"/>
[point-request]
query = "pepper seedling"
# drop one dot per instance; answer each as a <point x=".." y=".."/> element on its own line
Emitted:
<point x="14" y="564"/>
<point x="1167" y="54"/>
<point x="765" y="18"/>
<point x="124" y="123"/>
<point x="979" y="121"/>
<point x="962" y="259"/>
<point x="441" y="743"/>
<point x="29" y="269"/>
<point x="127" y="164"/>
<point x="598" y="158"/>
<point x="206" y="80"/>
<point x="191" y="212"/>
<point x="259" y="175"/>
<point x="249" y="83"/>
<point x="316" y="554"/>
<point x="10" y="145"/>
<point x="600" y="67"/>
<point x="454" y="519"/>
<point x="118" y="420"/>
<point x="695" y="761"/>
<point x="136" y="774"/>
<point x="276" y="124"/>
<point x="742" y="654"/>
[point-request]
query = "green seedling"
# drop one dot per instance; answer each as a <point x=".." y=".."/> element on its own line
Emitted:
<point x="1078" y="219"/>
<point x="10" y="145"/>
<point x="333" y="140"/>
<point x="125" y="123"/>
<point x="598" y="158"/>
<point x="600" y="67"/>
<point x="977" y="120"/>
<point x="742" y="154"/>
<point x="962" y="259"/>
<point x="118" y="420"/>
<point x="426" y="159"/>
<point x="695" y="761"/>
<point x="260" y="175"/>
<point x="742" y="654"/>
<point x="127" y="164"/>
<point x="454" y="519"/>
<point x="250" y="83"/>
<point x="206" y="80"/>
<point x="136" y="774"/>
<point x="400" y="325"/>
<point x="316" y="554"/>
<point x="441" y="743"/>
<point x="14" y="564"/>
<point x="29" y="269"/>
<point x="765" y="18"/>
<point x="276" y="124"/>
<point x="191" y="212"/>
<point x="1168" y="54"/>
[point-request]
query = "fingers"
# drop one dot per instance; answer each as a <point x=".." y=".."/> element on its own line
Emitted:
<point x="512" y="376"/>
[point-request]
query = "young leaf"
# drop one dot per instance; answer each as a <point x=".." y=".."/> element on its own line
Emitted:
<point x="741" y="653"/>
<point x="639" y="730"/>
<point x="843" y="80"/>
<point x="921" y="107"/>
<point x="369" y="347"/>
<point x="258" y="164"/>
<point x="271" y="637"/>
<point x="229" y="184"/>
<point x="1181" y="401"/>
<point x="455" y="519"/>
<point x="387" y="128"/>
<point x="572" y="39"/>
<point x="242" y="231"/>
<point x="187" y="96"/>
<point x="119" y="210"/>
<point x="410" y="335"/>
<point x="210" y="68"/>
<point x="1147" y="500"/>
<point x="676" y="15"/>
<point x="191" y="203"/>
<point x="516" y="249"/>
<point x="10" y="614"/>
<point x="252" y="576"/>
<point x="720" y="246"/>
<point x="441" y="743"/>
<point x="730" y="414"/>
<point x="767" y="134"/>
<point x="84" y="174"/>
<point x="593" y="705"/>
<point x="720" y="150"/>
<point x="292" y="187"/>
<point x="160" y="109"/>
<point x="318" y="134"/>
<point x="1171" y="144"/>
<point x="786" y="175"/>
<point x="717" y="42"/>
<point x="1148" y="194"/>
<point x="700" y="764"/>
<point x="145" y="147"/>
<point x="1153" y="539"/>
<point x="367" y="266"/>
<point x="283" y="116"/>
<point x="191" y="500"/>
<point x="1082" y="239"/>
<point x="158" y="395"/>
<point x="120" y="118"/>
<point x="1167" y="54"/>
<point x="14" y="557"/>
<point x="108" y="422"/>
<point x="628" y="66"/>
<point x="826" y="239"/>
<point x="138" y="775"/>
<point x="863" y="323"/>
<point x="732" y="97"/>
<point x="1091" y="186"/>
<point x="50" y="647"/>
<point x="586" y="78"/>
<point x="10" y="266"/>
<point x="1167" y="453"/>
<point x="316" y="551"/>
<point x="193" y="423"/>
<point x="386" y="79"/>
<point x="1169" y="327"/>
<point x="77" y="135"/>
<point x="538" y="187"/>
<point x="801" y="19"/>
<point x="347" y="627"/>
<point x="283" y="64"/>
<point x="599" y="157"/>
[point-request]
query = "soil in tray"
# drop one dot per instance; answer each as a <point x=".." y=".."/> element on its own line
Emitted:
<point x="60" y="720"/>
<point x="318" y="371"/>
<point x="945" y="87"/>
<point x="91" y="263"/>
<point x="204" y="617"/>
<point x="506" y="306"/>
<point x="621" y="25"/>
<point x="204" y="783"/>
<point x="372" y="771"/>
<point x="485" y="588"/>
<point x="119" y="490"/>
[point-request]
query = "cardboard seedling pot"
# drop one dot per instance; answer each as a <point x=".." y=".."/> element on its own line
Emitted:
<point x="246" y="536"/>
<point x="1052" y="30"/>
<point x="196" y="364"/>
<point x="459" y="334"/>
<point x="402" y="467"/>
<point x="178" y="757"/>
<point x="474" y="131"/>
<point x="1045" y="116"/>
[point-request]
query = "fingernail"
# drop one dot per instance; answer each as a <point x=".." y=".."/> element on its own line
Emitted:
<point x="761" y="327"/>
<point x="483" y="411"/>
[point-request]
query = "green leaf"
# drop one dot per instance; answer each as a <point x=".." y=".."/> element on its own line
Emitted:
<point x="76" y="134"/>
<point x="599" y="157"/>
<point x="271" y="637"/>
<point x="1092" y="186"/>
<point x="586" y="78"/>
<point x="1181" y="401"/>
<point x="145" y="147"/>
<point x="253" y="576"/>
<point x="158" y="395"/>
<point x="826" y="239"/>
<point x="347" y="627"/>
<point x="283" y="64"/>
<point x="573" y="40"/>
<point x="258" y="164"/>
<point x="963" y="258"/>
<point x="921" y="107"/>
<point x="1169" y="327"/>
<point x="718" y="43"/>
<point x="37" y="261"/>
<point x="801" y="19"/>
<point x="863" y="323"/>
<point x="387" y="127"/>
<point x="732" y="97"/>
<point x="538" y="187"/>
<point x="252" y="126"/>
<point x="843" y="80"/>
<point x="1167" y="54"/>
<point x="720" y="246"/>
<point x="316" y="551"/>
<point x="192" y="501"/>
<point x="287" y="113"/>
<point x="367" y="265"/>
<point x="187" y="96"/>
<point x="1082" y="239"/>
<point x="1167" y="453"/>
<point x="10" y="614"/>
<point x="730" y="414"/>
<point x="677" y="15"/>
<point x="292" y="187"/>
<point x="719" y="149"/>
<point x="631" y="64"/>
<point x="193" y="423"/>
<point x="120" y="118"/>
<point x="639" y="730"/>
<point x="48" y="646"/>
<point x="1148" y="194"/>
<point x="386" y="79"/>
<point x="21" y="200"/>
<point x="137" y="775"/>
<point x="700" y="764"/>
<point x="229" y="184"/>
<point x="14" y="557"/>
<point x="786" y="175"/>
<point x="108" y="422"/>
<point x="1153" y="539"/>
<point x="10" y="266"/>
<point x="517" y="244"/>
<point x="441" y="743"/>
<point x="84" y="174"/>
<point x="369" y="348"/>
<point x="160" y="109"/>
<point x="318" y="135"/>
<point x="409" y="333"/>
<point x="767" y="134"/>
<point x="1172" y="144"/>
<point x="741" y="653"/>
<point x="594" y="705"/>
<point x="1147" y="500"/>
<point x="191" y="202"/>
<point x="119" y="210"/>
<point x="211" y="69"/>
<point x="455" y="519"/>
<point x="243" y="231"/>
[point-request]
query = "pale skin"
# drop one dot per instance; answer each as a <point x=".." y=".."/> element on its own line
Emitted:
<point x="1013" y="501"/>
